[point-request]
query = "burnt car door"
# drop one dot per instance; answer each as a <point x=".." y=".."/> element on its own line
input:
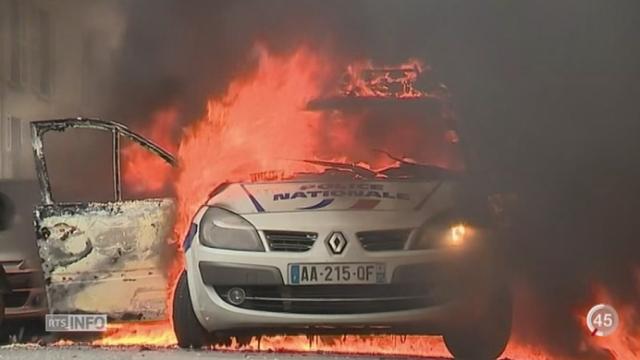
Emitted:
<point x="107" y="257"/>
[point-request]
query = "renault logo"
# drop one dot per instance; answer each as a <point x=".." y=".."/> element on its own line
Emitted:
<point x="337" y="242"/>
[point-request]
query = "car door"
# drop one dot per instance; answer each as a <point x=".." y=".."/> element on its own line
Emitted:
<point x="103" y="257"/>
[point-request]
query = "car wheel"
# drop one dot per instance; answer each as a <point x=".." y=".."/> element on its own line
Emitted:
<point x="189" y="332"/>
<point x="486" y="337"/>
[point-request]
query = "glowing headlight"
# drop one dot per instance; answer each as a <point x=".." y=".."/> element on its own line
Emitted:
<point x="457" y="234"/>
<point x="438" y="236"/>
<point x="222" y="229"/>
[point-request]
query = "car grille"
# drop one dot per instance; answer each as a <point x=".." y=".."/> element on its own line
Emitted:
<point x="292" y="241"/>
<point x="384" y="240"/>
<point x="333" y="299"/>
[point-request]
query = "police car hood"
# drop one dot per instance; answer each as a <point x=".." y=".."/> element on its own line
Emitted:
<point x="299" y="196"/>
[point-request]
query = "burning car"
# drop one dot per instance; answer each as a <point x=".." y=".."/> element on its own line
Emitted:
<point x="401" y="244"/>
<point x="405" y="249"/>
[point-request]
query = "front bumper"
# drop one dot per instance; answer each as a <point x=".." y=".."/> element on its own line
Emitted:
<point x="452" y="276"/>
<point x="216" y="313"/>
<point x="213" y="271"/>
<point x="264" y="290"/>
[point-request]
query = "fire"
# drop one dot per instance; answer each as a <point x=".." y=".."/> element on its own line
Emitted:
<point x="258" y="126"/>
<point x="255" y="131"/>
<point x="158" y="334"/>
<point x="624" y="343"/>
<point x="391" y="345"/>
<point x="362" y="79"/>
<point x="138" y="163"/>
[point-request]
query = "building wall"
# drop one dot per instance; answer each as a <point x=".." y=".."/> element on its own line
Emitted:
<point x="47" y="58"/>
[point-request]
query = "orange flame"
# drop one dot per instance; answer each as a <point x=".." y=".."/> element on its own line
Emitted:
<point x="258" y="126"/>
<point x="159" y="334"/>
<point x="363" y="79"/>
<point x="624" y="343"/>
<point x="138" y="164"/>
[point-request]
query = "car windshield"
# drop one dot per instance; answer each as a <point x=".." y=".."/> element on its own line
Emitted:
<point x="392" y="137"/>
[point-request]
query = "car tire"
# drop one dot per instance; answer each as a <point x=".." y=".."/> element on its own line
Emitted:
<point x="486" y="337"/>
<point x="189" y="332"/>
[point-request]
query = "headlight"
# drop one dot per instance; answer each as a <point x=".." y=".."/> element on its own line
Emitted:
<point x="222" y="229"/>
<point x="442" y="235"/>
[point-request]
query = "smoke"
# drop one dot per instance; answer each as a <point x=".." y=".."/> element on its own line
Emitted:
<point x="81" y="39"/>
<point x="545" y="92"/>
<point x="180" y="55"/>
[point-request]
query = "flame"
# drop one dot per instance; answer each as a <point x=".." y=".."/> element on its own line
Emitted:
<point x="252" y="133"/>
<point x="161" y="336"/>
<point x="138" y="163"/>
<point x="158" y="334"/>
<point x="258" y="126"/>
<point x="624" y="343"/>
<point x="364" y="79"/>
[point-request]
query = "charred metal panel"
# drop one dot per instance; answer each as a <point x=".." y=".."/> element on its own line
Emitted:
<point x="106" y="258"/>
<point x="39" y="128"/>
<point x="41" y="165"/>
<point x="42" y="126"/>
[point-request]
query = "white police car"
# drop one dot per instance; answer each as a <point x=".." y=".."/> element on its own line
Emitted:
<point x="404" y="250"/>
<point x="385" y="254"/>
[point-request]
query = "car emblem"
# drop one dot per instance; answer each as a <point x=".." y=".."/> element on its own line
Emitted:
<point x="337" y="242"/>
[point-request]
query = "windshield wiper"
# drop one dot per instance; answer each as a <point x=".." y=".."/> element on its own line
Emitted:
<point x="412" y="169"/>
<point x="356" y="169"/>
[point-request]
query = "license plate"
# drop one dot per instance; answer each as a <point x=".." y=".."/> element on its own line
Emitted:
<point x="340" y="273"/>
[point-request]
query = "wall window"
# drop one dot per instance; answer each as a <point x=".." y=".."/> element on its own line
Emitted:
<point x="17" y="39"/>
<point x="43" y="52"/>
<point x="40" y="52"/>
<point x="16" y="151"/>
<point x="13" y="143"/>
<point x="13" y="135"/>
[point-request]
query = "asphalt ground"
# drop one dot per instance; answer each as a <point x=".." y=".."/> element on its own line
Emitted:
<point x="33" y="351"/>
